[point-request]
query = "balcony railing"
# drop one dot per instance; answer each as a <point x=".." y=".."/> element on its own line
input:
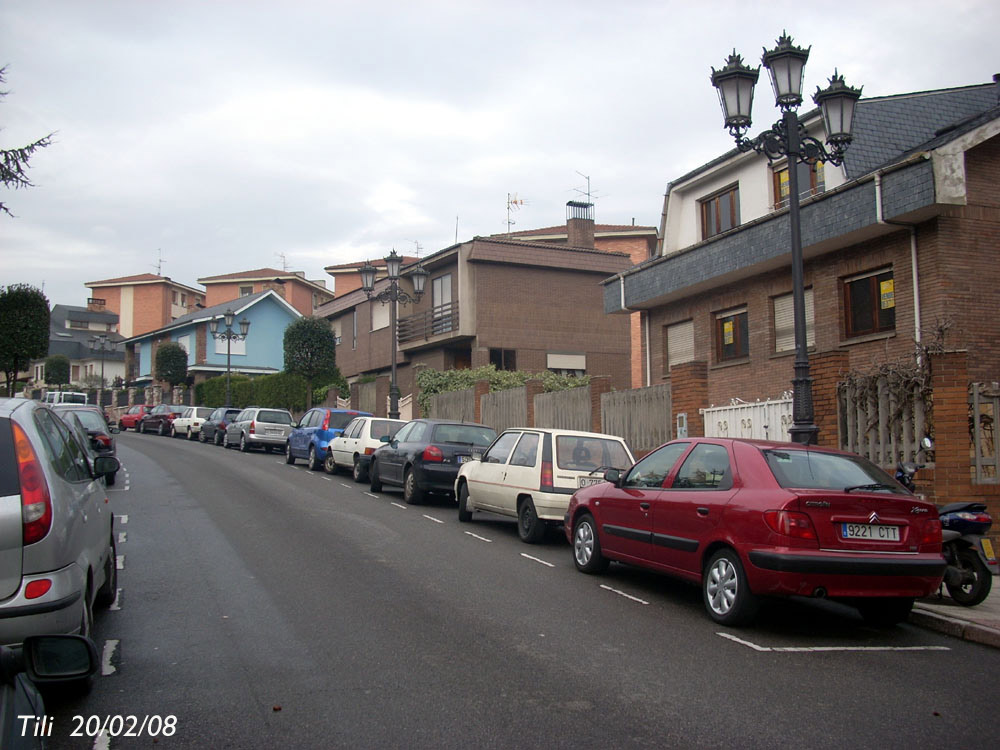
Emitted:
<point x="433" y="322"/>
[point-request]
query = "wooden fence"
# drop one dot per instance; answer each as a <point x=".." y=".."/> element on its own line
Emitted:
<point x="641" y="416"/>
<point x="876" y="424"/>
<point x="457" y="405"/>
<point x="564" y="410"/>
<point x="505" y="409"/>
<point x="367" y="399"/>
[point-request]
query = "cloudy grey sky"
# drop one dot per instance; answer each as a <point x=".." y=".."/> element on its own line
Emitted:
<point x="220" y="135"/>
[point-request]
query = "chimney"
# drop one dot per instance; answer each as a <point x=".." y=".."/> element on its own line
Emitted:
<point x="580" y="224"/>
<point x="95" y="305"/>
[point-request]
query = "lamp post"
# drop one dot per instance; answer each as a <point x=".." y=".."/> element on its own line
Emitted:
<point x="100" y="343"/>
<point x="393" y="295"/>
<point x="229" y="336"/>
<point x="788" y="138"/>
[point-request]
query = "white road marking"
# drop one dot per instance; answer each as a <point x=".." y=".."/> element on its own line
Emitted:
<point x="102" y="741"/>
<point x="122" y="538"/>
<point x="480" y="538"/>
<point x="345" y="485"/>
<point x="622" y="593"/>
<point x="432" y="518"/>
<point x="328" y="479"/>
<point x="823" y="649"/>
<point x="122" y="518"/>
<point x="537" y="560"/>
<point x="115" y="605"/>
<point x="370" y="495"/>
<point x="120" y="562"/>
<point x="109" y="652"/>
<point x="399" y="505"/>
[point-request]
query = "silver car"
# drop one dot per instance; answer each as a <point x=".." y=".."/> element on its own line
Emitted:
<point x="57" y="541"/>
<point x="256" y="427"/>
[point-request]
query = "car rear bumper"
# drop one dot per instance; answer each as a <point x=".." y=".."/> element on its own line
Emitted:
<point x="435" y="477"/>
<point x="805" y="572"/>
<point x="260" y="439"/>
<point x="54" y="612"/>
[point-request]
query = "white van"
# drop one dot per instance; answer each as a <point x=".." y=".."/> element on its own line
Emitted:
<point x="65" y="397"/>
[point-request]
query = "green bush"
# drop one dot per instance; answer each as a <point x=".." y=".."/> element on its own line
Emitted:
<point x="281" y="391"/>
<point x="212" y="392"/>
<point x="432" y="382"/>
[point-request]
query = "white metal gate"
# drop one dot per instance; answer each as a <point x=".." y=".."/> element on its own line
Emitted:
<point x="764" y="420"/>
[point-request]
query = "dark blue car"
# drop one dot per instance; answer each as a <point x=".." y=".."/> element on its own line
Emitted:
<point x="310" y="439"/>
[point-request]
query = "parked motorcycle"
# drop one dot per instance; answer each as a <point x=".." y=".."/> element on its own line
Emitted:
<point x="969" y="554"/>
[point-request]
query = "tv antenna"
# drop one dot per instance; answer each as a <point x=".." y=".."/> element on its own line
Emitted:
<point x="417" y="246"/>
<point x="284" y="261"/>
<point x="159" y="262"/>
<point x="591" y="196"/>
<point x="513" y="204"/>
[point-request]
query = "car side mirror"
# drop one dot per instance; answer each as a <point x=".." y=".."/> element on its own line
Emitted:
<point x="59" y="658"/>
<point x="114" y="429"/>
<point x="477" y="455"/>
<point x="106" y="465"/>
<point x="385" y="439"/>
<point x="614" y="476"/>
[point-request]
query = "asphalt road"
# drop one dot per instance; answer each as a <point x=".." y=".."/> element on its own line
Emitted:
<point x="263" y="605"/>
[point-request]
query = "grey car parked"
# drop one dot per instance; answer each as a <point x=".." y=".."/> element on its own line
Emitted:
<point x="255" y="427"/>
<point x="57" y="541"/>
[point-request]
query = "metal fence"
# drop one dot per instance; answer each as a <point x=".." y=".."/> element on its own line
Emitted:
<point x="505" y="409"/>
<point x="762" y="420"/>
<point x="641" y="416"/>
<point x="984" y="403"/>
<point x="564" y="410"/>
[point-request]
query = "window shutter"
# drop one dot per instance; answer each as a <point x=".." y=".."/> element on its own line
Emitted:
<point x="784" y="322"/>
<point x="680" y="343"/>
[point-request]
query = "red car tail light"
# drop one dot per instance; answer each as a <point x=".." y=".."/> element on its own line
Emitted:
<point x="546" y="475"/>
<point x="36" y="503"/>
<point x="932" y="532"/>
<point x="38" y="588"/>
<point x="326" y="421"/>
<point x="790" y="523"/>
<point x="253" y="427"/>
<point x="369" y="451"/>
<point x="432" y="453"/>
<point x="104" y="440"/>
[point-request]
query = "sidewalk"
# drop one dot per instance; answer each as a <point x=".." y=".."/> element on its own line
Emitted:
<point x="980" y="623"/>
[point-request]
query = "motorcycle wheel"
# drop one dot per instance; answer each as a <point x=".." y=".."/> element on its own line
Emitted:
<point x="973" y="593"/>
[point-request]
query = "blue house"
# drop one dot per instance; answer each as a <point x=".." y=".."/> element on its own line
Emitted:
<point x="261" y="353"/>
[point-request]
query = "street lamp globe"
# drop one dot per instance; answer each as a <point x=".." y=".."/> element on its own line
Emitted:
<point x="244" y="326"/>
<point x="419" y="277"/>
<point x="735" y="82"/>
<point x="786" y="65"/>
<point x="393" y="262"/>
<point x="838" y="102"/>
<point x="368" y="272"/>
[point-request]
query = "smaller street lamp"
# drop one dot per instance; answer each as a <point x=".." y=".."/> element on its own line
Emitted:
<point x="229" y="336"/>
<point x="100" y="343"/>
<point x="393" y="295"/>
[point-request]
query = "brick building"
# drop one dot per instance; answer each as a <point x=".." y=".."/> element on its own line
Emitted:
<point x="144" y="302"/>
<point x="518" y="304"/>
<point x="899" y="239"/>
<point x="301" y="293"/>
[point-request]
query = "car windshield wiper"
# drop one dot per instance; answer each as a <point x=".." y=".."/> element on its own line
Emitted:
<point x="875" y="486"/>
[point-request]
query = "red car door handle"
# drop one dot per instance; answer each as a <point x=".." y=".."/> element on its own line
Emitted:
<point x="702" y="511"/>
<point x="644" y="506"/>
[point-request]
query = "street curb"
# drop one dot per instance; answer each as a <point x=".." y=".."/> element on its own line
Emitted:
<point x="967" y="631"/>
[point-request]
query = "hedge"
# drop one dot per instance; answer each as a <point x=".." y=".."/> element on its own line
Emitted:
<point x="432" y="382"/>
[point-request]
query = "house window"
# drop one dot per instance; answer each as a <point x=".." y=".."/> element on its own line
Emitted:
<point x="174" y="296"/>
<point x="679" y="343"/>
<point x="732" y="340"/>
<point x="566" y="364"/>
<point x="246" y="291"/>
<point x="720" y="212"/>
<point x="870" y="303"/>
<point x="78" y="324"/>
<point x="811" y="182"/>
<point x="784" y="322"/>
<point x="441" y="304"/>
<point x="503" y="359"/>
<point x="184" y="299"/>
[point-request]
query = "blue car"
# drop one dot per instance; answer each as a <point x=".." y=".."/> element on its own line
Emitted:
<point x="310" y="439"/>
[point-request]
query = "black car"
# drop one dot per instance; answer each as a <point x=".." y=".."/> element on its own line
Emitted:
<point x="424" y="456"/>
<point x="99" y="434"/>
<point x="214" y="428"/>
<point x="160" y="419"/>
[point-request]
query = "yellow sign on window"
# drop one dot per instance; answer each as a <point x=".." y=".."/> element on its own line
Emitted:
<point x="727" y="332"/>
<point x="888" y="294"/>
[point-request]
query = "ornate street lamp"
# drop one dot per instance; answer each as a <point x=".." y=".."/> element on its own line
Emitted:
<point x="100" y="343"/>
<point x="229" y="336"/>
<point x="393" y="295"/>
<point x="788" y="138"/>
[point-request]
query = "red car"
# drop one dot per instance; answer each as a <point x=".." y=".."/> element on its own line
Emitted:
<point x="747" y="518"/>
<point x="130" y="419"/>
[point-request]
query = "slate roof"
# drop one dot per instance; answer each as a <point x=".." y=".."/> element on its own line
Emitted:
<point x="887" y="127"/>
<point x="75" y="342"/>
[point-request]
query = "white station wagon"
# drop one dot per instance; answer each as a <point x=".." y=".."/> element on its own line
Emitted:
<point x="530" y="474"/>
<point x="188" y="424"/>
